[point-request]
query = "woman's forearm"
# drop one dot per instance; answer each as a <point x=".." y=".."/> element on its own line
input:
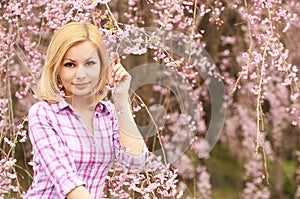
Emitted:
<point x="130" y="137"/>
<point x="79" y="192"/>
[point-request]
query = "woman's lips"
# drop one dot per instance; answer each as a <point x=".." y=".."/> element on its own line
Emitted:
<point x="80" y="85"/>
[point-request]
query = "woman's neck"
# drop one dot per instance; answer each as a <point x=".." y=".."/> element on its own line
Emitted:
<point x="82" y="102"/>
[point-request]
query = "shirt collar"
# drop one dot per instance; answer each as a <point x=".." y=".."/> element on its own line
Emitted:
<point x="57" y="107"/>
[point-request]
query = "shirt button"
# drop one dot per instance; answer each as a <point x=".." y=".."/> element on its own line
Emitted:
<point x="98" y="108"/>
<point x="91" y="166"/>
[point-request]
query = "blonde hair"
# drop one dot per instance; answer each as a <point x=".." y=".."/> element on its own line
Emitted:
<point x="66" y="37"/>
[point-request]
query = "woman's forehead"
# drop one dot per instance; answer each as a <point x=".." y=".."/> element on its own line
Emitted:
<point x="82" y="51"/>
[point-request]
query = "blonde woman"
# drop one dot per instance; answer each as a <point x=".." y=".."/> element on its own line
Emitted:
<point x="75" y="134"/>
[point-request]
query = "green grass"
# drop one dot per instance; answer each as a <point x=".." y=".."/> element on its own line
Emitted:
<point x="289" y="169"/>
<point x="225" y="173"/>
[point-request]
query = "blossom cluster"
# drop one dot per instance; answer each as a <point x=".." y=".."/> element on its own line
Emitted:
<point x="7" y="176"/>
<point x="253" y="44"/>
<point x="155" y="180"/>
<point x="255" y="188"/>
<point x="269" y="63"/>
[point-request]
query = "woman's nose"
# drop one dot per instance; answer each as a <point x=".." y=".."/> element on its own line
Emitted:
<point x="81" y="73"/>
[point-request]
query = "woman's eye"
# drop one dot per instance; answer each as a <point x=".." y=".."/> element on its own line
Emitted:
<point x="90" y="63"/>
<point x="69" y="64"/>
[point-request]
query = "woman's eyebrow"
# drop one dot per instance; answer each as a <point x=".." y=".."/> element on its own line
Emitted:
<point x="91" y="57"/>
<point x="68" y="59"/>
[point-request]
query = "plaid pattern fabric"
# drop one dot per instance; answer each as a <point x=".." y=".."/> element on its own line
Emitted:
<point x="67" y="155"/>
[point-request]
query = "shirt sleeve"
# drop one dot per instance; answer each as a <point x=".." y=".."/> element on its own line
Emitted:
<point x="123" y="157"/>
<point x="50" y="150"/>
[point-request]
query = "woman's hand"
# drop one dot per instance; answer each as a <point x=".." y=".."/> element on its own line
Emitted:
<point x="79" y="192"/>
<point x="119" y="79"/>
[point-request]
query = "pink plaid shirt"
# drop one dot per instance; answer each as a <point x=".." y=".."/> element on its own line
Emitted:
<point x="67" y="155"/>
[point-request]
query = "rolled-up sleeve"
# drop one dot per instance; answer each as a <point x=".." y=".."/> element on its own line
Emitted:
<point x="125" y="158"/>
<point x="51" y="151"/>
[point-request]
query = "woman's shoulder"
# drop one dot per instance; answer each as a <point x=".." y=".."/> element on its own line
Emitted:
<point x="43" y="107"/>
<point x="39" y="104"/>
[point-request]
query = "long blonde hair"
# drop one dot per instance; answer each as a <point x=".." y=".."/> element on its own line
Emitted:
<point x="66" y="37"/>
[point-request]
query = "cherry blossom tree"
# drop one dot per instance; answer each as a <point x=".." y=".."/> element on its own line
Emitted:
<point x="254" y="46"/>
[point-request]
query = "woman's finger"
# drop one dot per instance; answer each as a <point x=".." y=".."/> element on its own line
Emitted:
<point x="111" y="79"/>
<point x="116" y="58"/>
<point x="120" y="73"/>
<point x="116" y="75"/>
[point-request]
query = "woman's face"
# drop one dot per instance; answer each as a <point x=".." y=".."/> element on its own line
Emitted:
<point x="80" y="69"/>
